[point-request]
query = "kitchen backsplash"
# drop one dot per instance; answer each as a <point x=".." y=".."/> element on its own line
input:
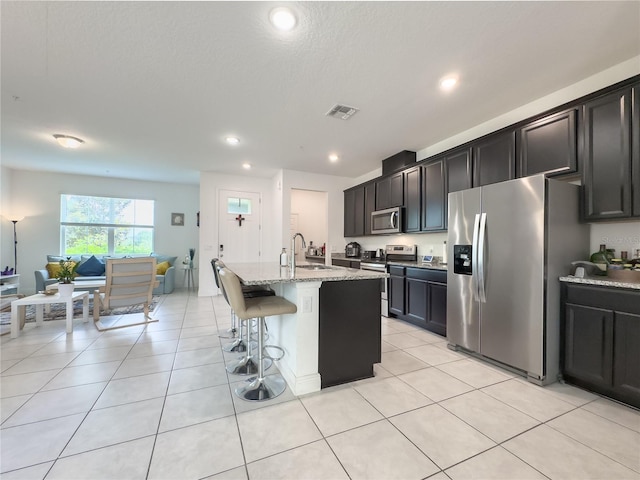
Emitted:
<point x="620" y="235"/>
<point x="428" y="243"/>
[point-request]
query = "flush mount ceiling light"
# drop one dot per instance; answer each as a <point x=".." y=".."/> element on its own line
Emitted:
<point x="68" y="141"/>
<point x="333" y="158"/>
<point x="283" y="19"/>
<point x="448" y="83"/>
<point x="232" y="140"/>
<point x="246" y="166"/>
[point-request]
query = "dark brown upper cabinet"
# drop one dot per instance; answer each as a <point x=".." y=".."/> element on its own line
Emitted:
<point x="354" y="212"/>
<point x="458" y="170"/>
<point x="412" y="199"/>
<point x="434" y="202"/>
<point x="494" y="158"/>
<point x="635" y="150"/>
<point x="607" y="156"/>
<point x="390" y="191"/>
<point x="369" y="205"/>
<point x="549" y="145"/>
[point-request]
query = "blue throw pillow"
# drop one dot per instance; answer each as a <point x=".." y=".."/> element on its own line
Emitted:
<point x="164" y="258"/>
<point x="91" y="268"/>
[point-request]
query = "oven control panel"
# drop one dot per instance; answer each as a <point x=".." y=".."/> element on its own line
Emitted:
<point x="401" y="249"/>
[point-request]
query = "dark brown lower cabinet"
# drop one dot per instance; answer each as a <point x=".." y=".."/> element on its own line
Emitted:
<point x="589" y="335"/>
<point x="416" y="295"/>
<point x="420" y="297"/>
<point x="437" y="308"/>
<point x="626" y="354"/>
<point x="600" y="339"/>
<point x="396" y="293"/>
<point x="345" y="262"/>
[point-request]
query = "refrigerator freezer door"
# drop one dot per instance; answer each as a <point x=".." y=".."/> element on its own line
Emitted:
<point x="463" y="314"/>
<point x="512" y="318"/>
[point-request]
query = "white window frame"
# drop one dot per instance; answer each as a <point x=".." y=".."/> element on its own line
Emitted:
<point x="111" y="227"/>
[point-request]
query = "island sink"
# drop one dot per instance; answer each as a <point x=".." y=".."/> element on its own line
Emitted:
<point x="315" y="267"/>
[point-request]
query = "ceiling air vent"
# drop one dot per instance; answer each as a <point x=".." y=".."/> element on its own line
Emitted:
<point x="343" y="112"/>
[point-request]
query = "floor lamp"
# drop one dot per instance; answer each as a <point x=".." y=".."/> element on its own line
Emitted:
<point x="15" y="246"/>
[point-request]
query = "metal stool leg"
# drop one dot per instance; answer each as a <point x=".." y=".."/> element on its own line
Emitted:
<point x="248" y="365"/>
<point x="262" y="388"/>
<point x="238" y="345"/>
<point x="231" y="332"/>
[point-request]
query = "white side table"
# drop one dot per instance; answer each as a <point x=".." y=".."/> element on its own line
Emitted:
<point x="188" y="277"/>
<point x="9" y="284"/>
<point x="40" y="300"/>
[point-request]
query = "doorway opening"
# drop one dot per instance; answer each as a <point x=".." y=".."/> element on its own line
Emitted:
<point x="309" y="216"/>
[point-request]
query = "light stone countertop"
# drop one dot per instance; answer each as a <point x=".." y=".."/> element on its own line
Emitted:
<point x="270" y="273"/>
<point x="600" y="281"/>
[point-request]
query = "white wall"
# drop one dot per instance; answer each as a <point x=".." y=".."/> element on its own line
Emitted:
<point x="589" y="85"/>
<point x="618" y="235"/>
<point x="334" y="187"/>
<point x="276" y="212"/>
<point x="38" y="196"/>
<point x="210" y="185"/>
<point x="311" y="207"/>
<point x="6" y="212"/>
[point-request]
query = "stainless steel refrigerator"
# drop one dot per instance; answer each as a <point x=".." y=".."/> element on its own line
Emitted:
<point x="507" y="245"/>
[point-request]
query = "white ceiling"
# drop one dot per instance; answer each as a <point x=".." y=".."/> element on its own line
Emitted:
<point x="154" y="87"/>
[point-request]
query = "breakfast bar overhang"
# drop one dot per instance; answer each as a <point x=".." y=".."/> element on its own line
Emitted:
<point x="335" y="336"/>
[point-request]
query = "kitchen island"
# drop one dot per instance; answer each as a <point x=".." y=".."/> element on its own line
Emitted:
<point x="335" y="336"/>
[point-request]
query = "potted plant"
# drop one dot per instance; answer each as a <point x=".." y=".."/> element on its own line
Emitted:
<point x="65" y="277"/>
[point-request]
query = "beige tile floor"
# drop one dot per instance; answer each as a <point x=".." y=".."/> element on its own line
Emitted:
<point x="157" y="403"/>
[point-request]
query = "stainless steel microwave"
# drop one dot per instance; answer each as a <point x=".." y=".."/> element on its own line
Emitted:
<point x="387" y="221"/>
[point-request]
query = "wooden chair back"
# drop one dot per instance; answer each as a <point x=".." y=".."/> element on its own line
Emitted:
<point x="129" y="282"/>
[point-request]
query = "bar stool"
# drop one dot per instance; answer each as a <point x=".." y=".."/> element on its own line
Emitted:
<point x="245" y="365"/>
<point x="238" y="345"/>
<point x="262" y="387"/>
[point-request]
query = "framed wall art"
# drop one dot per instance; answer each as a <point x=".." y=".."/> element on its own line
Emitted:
<point x="177" y="219"/>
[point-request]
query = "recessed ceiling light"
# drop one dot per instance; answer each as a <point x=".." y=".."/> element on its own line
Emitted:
<point x="246" y="166"/>
<point x="283" y="19"/>
<point x="68" y="141"/>
<point x="232" y="140"/>
<point x="333" y="157"/>
<point x="448" y="82"/>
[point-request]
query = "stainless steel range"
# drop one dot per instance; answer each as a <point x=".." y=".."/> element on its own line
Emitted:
<point x="398" y="253"/>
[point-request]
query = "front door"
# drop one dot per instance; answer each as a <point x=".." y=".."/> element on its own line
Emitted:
<point x="239" y="216"/>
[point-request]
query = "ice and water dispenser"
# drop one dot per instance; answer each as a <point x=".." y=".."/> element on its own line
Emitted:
<point x="462" y="259"/>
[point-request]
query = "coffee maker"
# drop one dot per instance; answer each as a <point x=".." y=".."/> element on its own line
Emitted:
<point x="352" y="249"/>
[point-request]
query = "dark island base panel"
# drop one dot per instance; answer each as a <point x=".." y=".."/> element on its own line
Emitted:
<point x="350" y="331"/>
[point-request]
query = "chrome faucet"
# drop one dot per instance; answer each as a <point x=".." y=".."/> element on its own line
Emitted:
<point x="293" y="250"/>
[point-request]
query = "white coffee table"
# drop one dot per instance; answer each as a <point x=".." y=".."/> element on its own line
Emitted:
<point x="40" y="300"/>
<point x="86" y="285"/>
